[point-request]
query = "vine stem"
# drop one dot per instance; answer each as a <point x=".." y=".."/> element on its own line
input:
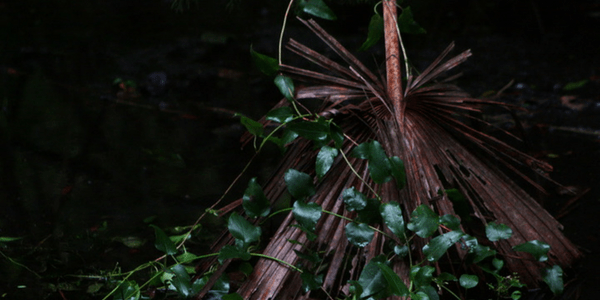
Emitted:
<point x="287" y="11"/>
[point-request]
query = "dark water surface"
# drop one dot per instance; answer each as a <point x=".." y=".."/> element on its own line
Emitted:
<point x="119" y="112"/>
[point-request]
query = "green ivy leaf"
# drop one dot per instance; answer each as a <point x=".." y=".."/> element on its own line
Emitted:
<point x="538" y="249"/>
<point x="255" y="128"/>
<point x="307" y="214"/>
<point x="379" y="163"/>
<point x="234" y="296"/>
<point x="497" y="263"/>
<point x="313" y="130"/>
<point x="163" y="243"/>
<point x="264" y="63"/>
<point x="310" y="281"/>
<point x="336" y="134"/>
<point x="182" y="281"/>
<point x="460" y="204"/>
<point x="422" y="276"/>
<point x="398" y="171"/>
<point x="229" y="252"/>
<point x="468" y="281"/>
<point x="317" y="8"/>
<point x="354" y="199"/>
<point x="375" y="32"/>
<point x="255" y="202"/>
<point x="281" y="115"/>
<point x="424" y="221"/>
<point x="128" y="290"/>
<point x="401" y="251"/>
<point x="575" y="85"/>
<point x="407" y="23"/>
<point x="391" y="213"/>
<point x="325" y="159"/>
<point x="427" y="292"/>
<point x="243" y="230"/>
<point x="553" y="276"/>
<point x="496" y="232"/>
<point x="288" y="136"/>
<point x="359" y="234"/>
<point x="395" y="285"/>
<point x="299" y="184"/>
<point x="286" y="87"/>
<point x="220" y="288"/>
<point x="445" y="277"/>
<point x="450" y="221"/>
<point x="438" y="245"/>
<point x="370" y="214"/>
<point x="371" y="280"/>
<point x="481" y="252"/>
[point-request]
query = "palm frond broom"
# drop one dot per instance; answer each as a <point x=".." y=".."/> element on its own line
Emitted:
<point x="422" y="124"/>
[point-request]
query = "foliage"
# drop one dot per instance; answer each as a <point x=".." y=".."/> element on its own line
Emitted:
<point x="425" y="230"/>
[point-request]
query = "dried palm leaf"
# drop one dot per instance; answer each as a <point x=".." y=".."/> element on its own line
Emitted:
<point x="440" y="150"/>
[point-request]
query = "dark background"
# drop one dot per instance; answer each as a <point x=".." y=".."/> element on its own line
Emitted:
<point x="83" y="162"/>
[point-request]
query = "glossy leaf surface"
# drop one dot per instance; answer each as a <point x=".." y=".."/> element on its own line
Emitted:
<point x="359" y="234"/>
<point x="299" y="184"/>
<point x="255" y="202"/>
<point x="424" y="221"/>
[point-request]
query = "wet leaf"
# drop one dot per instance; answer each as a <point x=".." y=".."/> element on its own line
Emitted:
<point x="391" y="213"/>
<point x="307" y="214"/>
<point x="220" y="288"/>
<point x="370" y="214"/>
<point x="336" y="134"/>
<point x="553" y="276"/>
<point x="243" y="230"/>
<point x="401" y="250"/>
<point x="481" y="252"/>
<point x="252" y="126"/>
<point x="395" y="285"/>
<point x="314" y="131"/>
<point x="460" y="204"/>
<point x="371" y="280"/>
<point x="255" y="202"/>
<point x="163" y="243"/>
<point x="496" y="232"/>
<point x="325" y="159"/>
<point x="234" y="296"/>
<point x="424" y="221"/>
<point x="398" y="171"/>
<point x="407" y="24"/>
<point x="379" y="163"/>
<point x="375" y="32"/>
<point x="299" y="184"/>
<point x="440" y="244"/>
<point x="354" y="199"/>
<point x="230" y="252"/>
<point x="317" y="8"/>
<point x="497" y="263"/>
<point x="575" y="85"/>
<point x="281" y="115"/>
<point x="538" y="249"/>
<point x="286" y="87"/>
<point x="468" y="281"/>
<point x="128" y="290"/>
<point x="182" y="281"/>
<point x="310" y="281"/>
<point x="451" y="222"/>
<point x="266" y="64"/>
<point x="422" y="276"/>
<point x="359" y="234"/>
